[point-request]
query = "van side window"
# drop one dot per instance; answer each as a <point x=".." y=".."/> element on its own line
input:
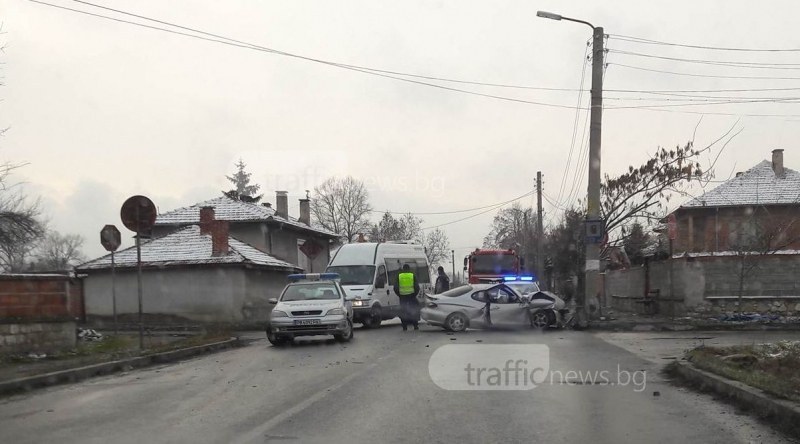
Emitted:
<point x="422" y="271"/>
<point x="419" y="266"/>
<point x="380" y="277"/>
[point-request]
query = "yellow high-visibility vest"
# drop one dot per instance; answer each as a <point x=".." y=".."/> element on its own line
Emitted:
<point x="406" y="283"/>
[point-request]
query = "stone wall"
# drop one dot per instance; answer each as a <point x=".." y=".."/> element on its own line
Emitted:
<point x="38" y="337"/>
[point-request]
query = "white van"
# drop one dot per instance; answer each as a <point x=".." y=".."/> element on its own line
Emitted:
<point x="369" y="270"/>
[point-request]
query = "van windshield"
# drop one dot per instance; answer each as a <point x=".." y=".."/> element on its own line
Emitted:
<point x="354" y="274"/>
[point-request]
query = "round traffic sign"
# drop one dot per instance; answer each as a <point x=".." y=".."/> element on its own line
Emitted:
<point x="110" y="238"/>
<point x="138" y="214"/>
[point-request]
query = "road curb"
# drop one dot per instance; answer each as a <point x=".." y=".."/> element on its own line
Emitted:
<point x="785" y="414"/>
<point x="105" y="368"/>
<point x="660" y="326"/>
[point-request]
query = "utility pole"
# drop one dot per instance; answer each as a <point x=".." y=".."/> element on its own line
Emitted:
<point x="539" y="228"/>
<point x="593" y="216"/>
<point x="453" y="259"/>
<point x="594" y="225"/>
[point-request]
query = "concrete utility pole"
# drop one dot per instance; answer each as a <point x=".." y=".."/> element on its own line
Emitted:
<point x="594" y="224"/>
<point x="539" y="228"/>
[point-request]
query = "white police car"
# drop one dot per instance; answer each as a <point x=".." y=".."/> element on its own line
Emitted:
<point x="311" y="305"/>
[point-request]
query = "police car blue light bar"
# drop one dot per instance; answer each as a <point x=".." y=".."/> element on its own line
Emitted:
<point x="313" y="277"/>
<point x="518" y="278"/>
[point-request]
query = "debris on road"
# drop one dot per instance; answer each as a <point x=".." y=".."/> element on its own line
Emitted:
<point x="88" y="334"/>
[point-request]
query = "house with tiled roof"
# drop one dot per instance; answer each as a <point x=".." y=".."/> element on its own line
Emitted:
<point x="737" y="249"/>
<point x="270" y="230"/>
<point x="761" y="204"/>
<point x="197" y="273"/>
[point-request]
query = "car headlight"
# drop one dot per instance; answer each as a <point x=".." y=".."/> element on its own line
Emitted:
<point x="361" y="303"/>
<point x="279" y="314"/>
<point x="336" y="311"/>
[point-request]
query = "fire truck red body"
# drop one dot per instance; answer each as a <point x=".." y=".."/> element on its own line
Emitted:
<point x="491" y="264"/>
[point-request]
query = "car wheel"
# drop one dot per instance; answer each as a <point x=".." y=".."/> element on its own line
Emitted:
<point x="275" y="339"/>
<point x="541" y="319"/>
<point x="456" y="322"/>
<point x="374" y="319"/>
<point x="347" y="335"/>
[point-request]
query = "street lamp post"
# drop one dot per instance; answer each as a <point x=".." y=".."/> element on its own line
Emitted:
<point x="594" y="227"/>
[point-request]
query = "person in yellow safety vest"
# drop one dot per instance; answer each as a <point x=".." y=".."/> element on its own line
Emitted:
<point x="407" y="289"/>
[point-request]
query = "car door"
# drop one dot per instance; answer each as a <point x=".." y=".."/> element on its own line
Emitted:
<point x="507" y="308"/>
<point x="382" y="290"/>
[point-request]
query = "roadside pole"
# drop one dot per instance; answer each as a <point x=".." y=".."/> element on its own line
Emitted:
<point x="539" y="228"/>
<point x="114" y="293"/>
<point x="453" y="259"/>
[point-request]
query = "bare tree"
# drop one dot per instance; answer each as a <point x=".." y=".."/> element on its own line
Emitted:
<point x="641" y="193"/>
<point x="407" y="227"/>
<point x="437" y="247"/>
<point x="20" y="224"/>
<point x="59" y="252"/>
<point x="342" y="206"/>
<point x="514" y="228"/>
<point x="759" y="234"/>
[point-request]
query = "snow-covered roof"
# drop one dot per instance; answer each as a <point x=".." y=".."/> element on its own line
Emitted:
<point x="757" y="186"/>
<point x="233" y="210"/>
<point x="188" y="247"/>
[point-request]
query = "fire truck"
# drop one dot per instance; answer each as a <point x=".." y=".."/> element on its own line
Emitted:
<point x="484" y="264"/>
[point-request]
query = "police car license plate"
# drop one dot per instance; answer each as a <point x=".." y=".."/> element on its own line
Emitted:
<point x="306" y="321"/>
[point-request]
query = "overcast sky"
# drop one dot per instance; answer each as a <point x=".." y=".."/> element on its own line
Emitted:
<point x="103" y="110"/>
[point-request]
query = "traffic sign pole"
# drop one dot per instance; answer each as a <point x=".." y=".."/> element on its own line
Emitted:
<point x="139" y="276"/>
<point x="114" y="293"/>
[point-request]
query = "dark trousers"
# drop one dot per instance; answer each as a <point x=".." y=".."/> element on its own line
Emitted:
<point x="409" y="310"/>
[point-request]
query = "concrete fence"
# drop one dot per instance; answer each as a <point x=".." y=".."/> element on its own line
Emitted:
<point x="709" y="284"/>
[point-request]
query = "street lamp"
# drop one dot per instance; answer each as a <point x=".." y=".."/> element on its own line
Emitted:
<point x="594" y="225"/>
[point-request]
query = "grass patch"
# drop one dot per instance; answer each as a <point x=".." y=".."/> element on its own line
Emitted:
<point x="773" y="368"/>
<point x="110" y="348"/>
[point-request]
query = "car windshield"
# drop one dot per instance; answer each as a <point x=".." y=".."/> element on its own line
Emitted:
<point x="354" y="274"/>
<point x="310" y="292"/>
<point x="524" y="287"/>
<point x="458" y="291"/>
<point x="494" y="264"/>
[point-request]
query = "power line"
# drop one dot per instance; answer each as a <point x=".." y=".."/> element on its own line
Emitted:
<point x="671" y="91"/>
<point x="443" y="79"/>
<point x="683" y="45"/>
<point x="457" y="211"/>
<point x="494" y="207"/>
<point x="245" y="45"/>
<point x="693" y="98"/>
<point x="732" y="64"/>
<point x="578" y="110"/>
<point x="725" y="102"/>
<point x="701" y="75"/>
<point x="711" y="113"/>
<point x="462" y="219"/>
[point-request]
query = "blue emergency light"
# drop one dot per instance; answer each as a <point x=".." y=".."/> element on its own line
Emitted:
<point x="518" y="278"/>
<point x="313" y="277"/>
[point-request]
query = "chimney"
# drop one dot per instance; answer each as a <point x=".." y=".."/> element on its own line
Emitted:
<point x="206" y="218"/>
<point x="219" y="237"/>
<point x="305" y="212"/>
<point x="777" y="162"/>
<point x="282" y="203"/>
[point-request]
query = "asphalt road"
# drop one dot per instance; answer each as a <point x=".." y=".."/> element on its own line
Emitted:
<point x="376" y="389"/>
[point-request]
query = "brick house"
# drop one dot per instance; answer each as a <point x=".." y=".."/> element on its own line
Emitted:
<point x="270" y="230"/>
<point x="758" y="209"/>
